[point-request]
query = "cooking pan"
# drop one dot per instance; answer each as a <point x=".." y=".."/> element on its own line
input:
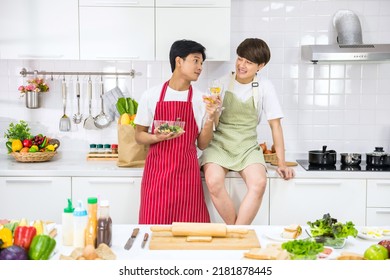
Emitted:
<point x="324" y="157"/>
<point x="378" y="158"/>
<point x="351" y="158"/>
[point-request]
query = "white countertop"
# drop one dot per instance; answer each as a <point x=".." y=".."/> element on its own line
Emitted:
<point x="121" y="234"/>
<point x="76" y="165"/>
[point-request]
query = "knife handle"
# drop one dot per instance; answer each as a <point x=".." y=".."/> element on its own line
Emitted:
<point x="146" y="236"/>
<point x="135" y="233"/>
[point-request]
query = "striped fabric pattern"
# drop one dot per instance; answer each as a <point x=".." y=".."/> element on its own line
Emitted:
<point x="234" y="145"/>
<point x="171" y="188"/>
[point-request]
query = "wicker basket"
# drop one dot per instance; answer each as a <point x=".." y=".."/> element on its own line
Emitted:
<point x="270" y="157"/>
<point x="33" y="157"/>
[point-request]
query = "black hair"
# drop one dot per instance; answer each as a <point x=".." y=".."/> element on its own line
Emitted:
<point x="182" y="48"/>
<point x="254" y="50"/>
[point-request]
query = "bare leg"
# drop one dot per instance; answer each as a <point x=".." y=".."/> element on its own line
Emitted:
<point x="215" y="181"/>
<point x="255" y="178"/>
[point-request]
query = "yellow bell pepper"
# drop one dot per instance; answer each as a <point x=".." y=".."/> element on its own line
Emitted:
<point x="6" y="237"/>
<point x="38" y="224"/>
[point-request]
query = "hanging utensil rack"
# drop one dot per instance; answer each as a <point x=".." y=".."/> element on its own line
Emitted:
<point x="24" y="73"/>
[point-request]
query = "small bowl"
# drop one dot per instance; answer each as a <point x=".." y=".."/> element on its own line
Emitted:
<point x="303" y="257"/>
<point x="169" y="126"/>
<point x="335" y="243"/>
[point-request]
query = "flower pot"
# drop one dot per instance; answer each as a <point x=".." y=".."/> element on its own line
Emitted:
<point x="32" y="99"/>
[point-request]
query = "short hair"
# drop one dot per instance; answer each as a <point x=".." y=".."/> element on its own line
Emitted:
<point x="254" y="50"/>
<point x="182" y="48"/>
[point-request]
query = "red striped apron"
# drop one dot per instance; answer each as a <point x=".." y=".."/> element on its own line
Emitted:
<point x="171" y="188"/>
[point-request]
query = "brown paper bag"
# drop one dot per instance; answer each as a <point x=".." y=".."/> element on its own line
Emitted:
<point x="130" y="154"/>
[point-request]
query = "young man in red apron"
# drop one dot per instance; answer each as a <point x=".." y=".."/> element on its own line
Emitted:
<point x="171" y="188"/>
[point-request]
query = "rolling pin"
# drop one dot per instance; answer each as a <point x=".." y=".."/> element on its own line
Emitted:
<point x="199" y="229"/>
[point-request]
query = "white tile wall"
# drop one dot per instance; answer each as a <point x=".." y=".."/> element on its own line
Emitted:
<point x="344" y="105"/>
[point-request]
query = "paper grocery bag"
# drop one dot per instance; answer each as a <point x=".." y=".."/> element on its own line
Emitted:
<point x="130" y="154"/>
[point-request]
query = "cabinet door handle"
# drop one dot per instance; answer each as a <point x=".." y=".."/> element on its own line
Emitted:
<point x="111" y="4"/>
<point x="111" y="181"/>
<point x="194" y="4"/>
<point x="383" y="211"/>
<point x="335" y="183"/>
<point x="29" y="180"/>
<point x="383" y="184"/>
<point x="117" y="57"/>
<point x="40" y="56"/>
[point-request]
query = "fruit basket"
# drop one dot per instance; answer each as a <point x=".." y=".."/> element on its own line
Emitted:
<point x="270" y="157"/>
<point x="33" y="157"/>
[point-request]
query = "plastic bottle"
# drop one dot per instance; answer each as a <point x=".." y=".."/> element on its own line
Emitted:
<point x="104" y="225"/>
<point x="91" y="230"/>
<point x="67" y="224"/>
<point x="79" y="224"/>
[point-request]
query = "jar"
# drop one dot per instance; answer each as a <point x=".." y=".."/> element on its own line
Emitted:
<point x="92" y="148"/>
<point x="114" y="148"/>
<point x="107" y="148"/>
<point x="100" y="148"/>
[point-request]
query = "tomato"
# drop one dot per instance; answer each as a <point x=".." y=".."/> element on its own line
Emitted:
<point x="376" y="252"/>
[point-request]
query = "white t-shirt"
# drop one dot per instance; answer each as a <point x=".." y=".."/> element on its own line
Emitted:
<point x="268" y="102"/>
<point x="149" y="99"/>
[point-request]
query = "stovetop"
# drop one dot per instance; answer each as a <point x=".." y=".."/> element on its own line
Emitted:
<point x="340" y="167"/>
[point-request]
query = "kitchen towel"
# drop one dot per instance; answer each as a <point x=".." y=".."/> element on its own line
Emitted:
<point x="130" y="154"/>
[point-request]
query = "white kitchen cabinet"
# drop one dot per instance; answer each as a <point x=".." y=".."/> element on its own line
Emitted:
<point x="378" y="202"/>
<point x="117" y="30"/>
<point x="238" y="190"/>
<point x="207" y="22"/>
<point x="123" y="193"/>
<point x="34" y="198"/>
<point x="298" y="201"/>
<point x="39" y="29"/>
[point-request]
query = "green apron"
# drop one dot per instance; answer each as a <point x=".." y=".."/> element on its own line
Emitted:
<point x="234" y="145"/>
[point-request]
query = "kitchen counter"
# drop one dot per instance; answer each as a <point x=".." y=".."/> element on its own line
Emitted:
<point x="121" y="233"/>
<point x="78" y="165"/>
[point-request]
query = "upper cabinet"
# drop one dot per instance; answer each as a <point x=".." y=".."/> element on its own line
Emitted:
<point x="117" y="30"/>
<point x="204" y="21"/>
<point x="39" y="29"/>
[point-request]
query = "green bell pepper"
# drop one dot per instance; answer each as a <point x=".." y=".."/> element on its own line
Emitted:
<point x="41" y="247"/>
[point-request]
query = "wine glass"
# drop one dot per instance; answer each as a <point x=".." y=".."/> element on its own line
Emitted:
<point x="215" y="88"/>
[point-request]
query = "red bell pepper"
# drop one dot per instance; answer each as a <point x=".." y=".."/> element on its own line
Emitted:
<point x="24" y="235"/>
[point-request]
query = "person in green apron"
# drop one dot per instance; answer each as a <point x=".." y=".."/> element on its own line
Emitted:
<point x="234" y="146"/>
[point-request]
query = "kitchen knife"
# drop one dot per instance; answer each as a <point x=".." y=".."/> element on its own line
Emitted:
<point x="130" y="242"/>
<point x="146" y="236"/>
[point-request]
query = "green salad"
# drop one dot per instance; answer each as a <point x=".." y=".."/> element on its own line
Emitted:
<point x="330" y="227"/>
<point x="303" y="249"/>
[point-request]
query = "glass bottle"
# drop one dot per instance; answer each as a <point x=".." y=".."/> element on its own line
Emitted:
<point x="99" y="148"/>
<point x="107" y="148"/>
<point x="92" y="148"/>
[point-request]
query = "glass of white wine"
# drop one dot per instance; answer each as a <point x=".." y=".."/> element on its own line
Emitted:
<point x="214" y="88"/>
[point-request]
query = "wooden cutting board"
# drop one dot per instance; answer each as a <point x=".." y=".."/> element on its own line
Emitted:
<point x="233" y="241"/>
<point x="288" y="163"/>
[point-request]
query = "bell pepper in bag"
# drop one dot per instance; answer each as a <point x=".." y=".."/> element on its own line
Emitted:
<point x="41" y="247"/>
<point x="24" y="235"/>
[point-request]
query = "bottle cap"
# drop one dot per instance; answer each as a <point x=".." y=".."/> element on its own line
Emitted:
<point x="92" y="145"/>
<point x="107" y="146"/>
<point x="70" y="208"/>
<point x="104" y="203"/>
<point x="80" y="211"/>
<point x="114" y="146"/>
<point x="92" y="200"/>
<point x="99" y="146"/>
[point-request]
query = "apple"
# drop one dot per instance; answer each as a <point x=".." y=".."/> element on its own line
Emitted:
<point x="27" y="143"/>
<point x="386" y="244"/>
<point x="376" y="252"/>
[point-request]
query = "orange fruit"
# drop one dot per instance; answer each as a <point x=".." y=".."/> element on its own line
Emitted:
<point x="24" y="150"/>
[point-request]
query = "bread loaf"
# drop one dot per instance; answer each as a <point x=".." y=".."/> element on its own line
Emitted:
<point x="271" y="252"/>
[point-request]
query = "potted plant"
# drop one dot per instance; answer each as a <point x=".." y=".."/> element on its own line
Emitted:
<point x="32" y="90"/>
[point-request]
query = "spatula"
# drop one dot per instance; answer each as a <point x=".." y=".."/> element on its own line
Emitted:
<point x="64" y="121"/>
<point x="89" y="122"/>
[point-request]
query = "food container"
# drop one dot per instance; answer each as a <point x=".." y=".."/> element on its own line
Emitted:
<point x="169" y="126"/>
<point x="378" y="158"/>
<point x="351" y="158"/>
<point x="323" y="157"/>
<point x="302" y="257"/>
<point x="336" y="243"/>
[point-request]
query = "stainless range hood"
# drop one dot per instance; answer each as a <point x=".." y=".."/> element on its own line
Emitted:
<point x="329" y="53"/>
<point x="349" y="45"/>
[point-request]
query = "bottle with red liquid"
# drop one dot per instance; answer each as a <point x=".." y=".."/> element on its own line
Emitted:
<point x="104" y="225"/>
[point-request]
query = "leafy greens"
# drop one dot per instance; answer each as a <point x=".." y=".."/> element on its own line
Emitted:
<point x="328" y="226"/>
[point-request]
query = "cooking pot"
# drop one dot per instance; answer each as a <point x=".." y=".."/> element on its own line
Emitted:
<point x="323" y="157"/>
<point x="351" y="158"/>
<point x="378" y="158"/>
